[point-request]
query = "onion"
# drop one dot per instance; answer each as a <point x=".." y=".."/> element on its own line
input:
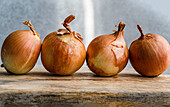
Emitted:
<point x="63" y="53"/>
<point x="150" y="54"/>
<point x="108" y="54"/>
<point x="20" y="50"/>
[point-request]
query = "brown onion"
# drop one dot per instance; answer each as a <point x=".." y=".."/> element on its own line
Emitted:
<point x="20" y="50"/>
<point x="63" y="53"/>
<point x="107" y="55"/>
<point x="150" y="54"/>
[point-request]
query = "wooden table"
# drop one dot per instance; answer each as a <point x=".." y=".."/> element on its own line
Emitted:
<point x="83" y="89"/>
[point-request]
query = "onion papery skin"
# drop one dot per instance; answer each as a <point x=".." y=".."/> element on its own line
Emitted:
<point x="150" y="55"/>
<point x="20" y="51"/>
<point x="62" y="54"/>
<point x="108" y="54"/>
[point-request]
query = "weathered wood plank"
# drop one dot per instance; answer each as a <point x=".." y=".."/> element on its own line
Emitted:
<point x="41" y="88"/>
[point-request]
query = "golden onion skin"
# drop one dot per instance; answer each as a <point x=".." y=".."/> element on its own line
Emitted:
<point x="107" y="55"/>
<point x="62" y="54"/>
<point x="20" y="51"/>
<point x="150" y="55"/>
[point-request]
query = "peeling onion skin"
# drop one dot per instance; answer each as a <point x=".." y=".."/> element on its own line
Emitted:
<point x="108" y="54"/>
<point x="20" y="51"/>
<point x="62" y="52"/>
<point x="150" y="54"/>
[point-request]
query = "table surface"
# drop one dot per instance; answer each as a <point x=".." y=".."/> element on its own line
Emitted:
<point x="41" y="88"/>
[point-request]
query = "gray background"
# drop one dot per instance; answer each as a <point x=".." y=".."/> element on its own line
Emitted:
<point x="47" y="16"/>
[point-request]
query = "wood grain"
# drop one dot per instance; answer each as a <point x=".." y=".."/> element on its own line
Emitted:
<point x="83" y="88"/>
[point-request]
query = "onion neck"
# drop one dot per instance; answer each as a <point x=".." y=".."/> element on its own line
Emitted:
<point x="141" y="31"/>
<point x="121" y="26"/>
<point x="120" y="33"/>
<point x="120" y="36"/>
<point x="67" y="21"/>
<point x="67" y="26"/>
<point x="28" y="23"/>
